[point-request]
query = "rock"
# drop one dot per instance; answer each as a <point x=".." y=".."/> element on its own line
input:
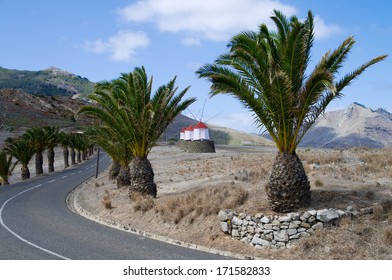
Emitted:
<point x="235" y="233"/>
<point x="311" y="219"/>
<point x="280" y="244"/>
<point x="305" y="234"/>
<point x="236" y="221"/>
<point x="367" y="210"/>
<point x="225" y="215"/>
<point x="291" y="231"/>
<point x="245" y="222"/>
<point x="294" y="216"/>
<point x="245" y="240"/>
<point x="350" y="208"/>
<point x="341" y="213"/>
<point x="265" y="220"/>
<point x="356" y="213"/>
<point x="319" y="225"/>
<point x="327" y="215"/>
<point x="250" y="229"/>
<point x="267" y="226"/>
<point x="306" y="215"/>
<point x="284" y="219"/>
<point x="281" y="236"/>
<point x="301" y="229"/>
<point x="312" y="212"/>
<point x="294" y="224"/>
<point x="225" y="227"/>
<point x="305" y="225"/>
<point x="259" y="241"/>
<point x="242" y="216"/>
<point x="294" y="236"/>
<point x="259" y="215"/>
<point x="275" y="223"/>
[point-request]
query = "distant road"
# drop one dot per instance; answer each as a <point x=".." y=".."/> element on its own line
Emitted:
<point x="35" y="223"/>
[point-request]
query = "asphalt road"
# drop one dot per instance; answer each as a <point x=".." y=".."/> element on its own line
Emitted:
<point x="35" y="223"/>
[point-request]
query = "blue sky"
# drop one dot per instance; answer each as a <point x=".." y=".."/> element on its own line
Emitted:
<point x="101" y="39"/>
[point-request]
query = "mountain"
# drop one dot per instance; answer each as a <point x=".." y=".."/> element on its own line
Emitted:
<point x="354" y="126"/>
<point x="20" y="110"/>
<point x="49" y="82"/>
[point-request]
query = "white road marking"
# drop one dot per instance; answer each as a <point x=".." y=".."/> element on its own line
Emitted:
<point x="51" y="181"/>
<point x="65" y="176"/>
<point x="18" y="236"/>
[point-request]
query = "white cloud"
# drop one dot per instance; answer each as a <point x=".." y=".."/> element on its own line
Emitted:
<point x="121" y="46"/>
<point x="203" y="20"/>
<point x="323" y="30"/>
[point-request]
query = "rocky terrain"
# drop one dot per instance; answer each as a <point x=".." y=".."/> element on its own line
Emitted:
<point x="355" y="126"/>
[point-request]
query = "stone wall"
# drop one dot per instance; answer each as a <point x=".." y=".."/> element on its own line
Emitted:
<point x="205" y="146"/>
<point x="279" y="231"/>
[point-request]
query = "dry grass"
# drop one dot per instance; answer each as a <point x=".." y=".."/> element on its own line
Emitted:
<point x="107" y="201"/>
<point x="338" y="177"/>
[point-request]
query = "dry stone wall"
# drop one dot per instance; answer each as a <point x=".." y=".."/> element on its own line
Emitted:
<point x="205" y="146"/>
<point x="279" y="231"/>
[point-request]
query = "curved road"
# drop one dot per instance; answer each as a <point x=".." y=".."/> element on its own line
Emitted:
<point x="35" y="223"/>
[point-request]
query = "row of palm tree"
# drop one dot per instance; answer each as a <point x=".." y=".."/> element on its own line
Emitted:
<point x="33" y="143"/>
<point x="131" y="121"/>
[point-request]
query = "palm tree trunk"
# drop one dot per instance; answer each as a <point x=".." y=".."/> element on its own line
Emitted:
<point x="73" y="156"/>
<point x="114" y="170"/>
<point x="25" y="172"/>
<point x="39" y="162"/>
<point x="66" y="155"/>
<point x="142" y="176"/>
<point x="51" y="160"/>
<point x="5" y="181"/>
<point x="123" y="177"/>
<point x="79" y="156"/>
<point x="288" y="188"/>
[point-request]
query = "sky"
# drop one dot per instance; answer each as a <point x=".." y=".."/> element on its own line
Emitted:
<point x="100" y="40"/>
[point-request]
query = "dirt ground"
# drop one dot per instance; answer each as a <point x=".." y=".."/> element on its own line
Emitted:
<point x="192" y="188"/>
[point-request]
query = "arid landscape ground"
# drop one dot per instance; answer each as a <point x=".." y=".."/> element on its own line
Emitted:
<point x="192" y="188"/>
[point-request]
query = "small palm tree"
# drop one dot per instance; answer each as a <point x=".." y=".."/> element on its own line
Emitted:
<point x="52" y="135"/>
<point x="38" y="140"/>
<point x="268" y="72"/>
<point x="23" y="151"/>
<point x="139" y="119"/>
<point x="72" y="143"/>
<point x="120" y="154"/>
<point x="6" y="167"/>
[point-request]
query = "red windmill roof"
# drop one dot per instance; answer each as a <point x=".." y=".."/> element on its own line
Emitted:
<point x="189" y="128"/>
<point x="183" y="129"/>
<point x="200" y="125"/>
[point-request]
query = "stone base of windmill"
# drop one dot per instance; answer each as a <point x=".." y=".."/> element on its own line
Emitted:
<point x="204" y="146"/>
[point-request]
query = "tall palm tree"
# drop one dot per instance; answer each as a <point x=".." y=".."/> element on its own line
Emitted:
<point x="139" y="118"/>
<point x="23" y="151"/>
<point x="52" y="134"/>
<point x="268" y="72"/>
<point x="38" y="140"/>
<point x="72" y="143"/>
<point x="6" y="167"/>
<point x="64" y="141"/>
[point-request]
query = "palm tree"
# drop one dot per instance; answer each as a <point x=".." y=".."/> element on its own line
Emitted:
<point x="72" y="145"/>
<point x="6" y="167"/>
<point x="120" y="154"/>
<point x="268" y="72"/>
<point x="23" y="151"/>
<point x="52" y="134"/>
<point x="38" y="139"/>
<point x="64" y="141"/>
<point x="138" y="118"/>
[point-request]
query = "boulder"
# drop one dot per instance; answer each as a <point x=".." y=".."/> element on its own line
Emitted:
<point x="327" y="215"/>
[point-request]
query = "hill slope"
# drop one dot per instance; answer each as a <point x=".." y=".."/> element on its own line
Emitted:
<point x="354" y="126"/>
<point x="48" y="82"/>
